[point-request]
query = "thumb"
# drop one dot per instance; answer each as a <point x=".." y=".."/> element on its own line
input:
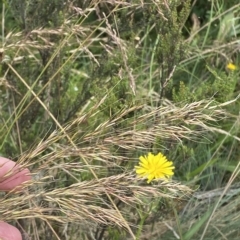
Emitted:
<point x="8" y="232"/>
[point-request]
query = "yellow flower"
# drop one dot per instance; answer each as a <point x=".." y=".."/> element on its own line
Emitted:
<point x="154" y="166"/>
<point x="231" y="66"/>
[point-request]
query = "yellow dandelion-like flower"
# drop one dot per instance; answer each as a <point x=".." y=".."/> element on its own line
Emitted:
<point x="231" y="66"/>
<point x="154" y="166"/>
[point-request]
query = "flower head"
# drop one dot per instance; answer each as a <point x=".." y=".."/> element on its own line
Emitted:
<point x="154" y="166"/>
<point x="231" y="66"/>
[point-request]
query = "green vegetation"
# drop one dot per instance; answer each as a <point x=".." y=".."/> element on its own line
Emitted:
<point x="86" y="87"/>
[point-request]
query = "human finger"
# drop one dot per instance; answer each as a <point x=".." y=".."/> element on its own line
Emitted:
<point x="9" y="232"/>
<point x="11" y="175"/>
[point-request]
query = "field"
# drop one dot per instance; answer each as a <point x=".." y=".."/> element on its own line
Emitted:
<point x="88" y="88"/>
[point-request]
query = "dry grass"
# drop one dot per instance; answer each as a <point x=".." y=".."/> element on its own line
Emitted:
<point x="82" y="172"/>
<point x="58" y="191"/>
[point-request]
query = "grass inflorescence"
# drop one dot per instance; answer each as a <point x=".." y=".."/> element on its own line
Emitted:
<point x="88" y="87"/>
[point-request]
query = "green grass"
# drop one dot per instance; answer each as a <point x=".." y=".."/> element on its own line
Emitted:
<point x="87" y="88"/>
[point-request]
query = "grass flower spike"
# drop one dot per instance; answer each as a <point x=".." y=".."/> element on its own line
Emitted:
<point x="154" y="166"/>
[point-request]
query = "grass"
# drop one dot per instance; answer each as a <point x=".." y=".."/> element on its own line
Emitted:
<point x="87" y="88"/>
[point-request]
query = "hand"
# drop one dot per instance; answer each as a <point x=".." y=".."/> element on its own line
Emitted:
<point x="8" y="232"/>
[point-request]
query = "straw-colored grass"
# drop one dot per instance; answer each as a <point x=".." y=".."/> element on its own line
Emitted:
<point x="82" y="98"/>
